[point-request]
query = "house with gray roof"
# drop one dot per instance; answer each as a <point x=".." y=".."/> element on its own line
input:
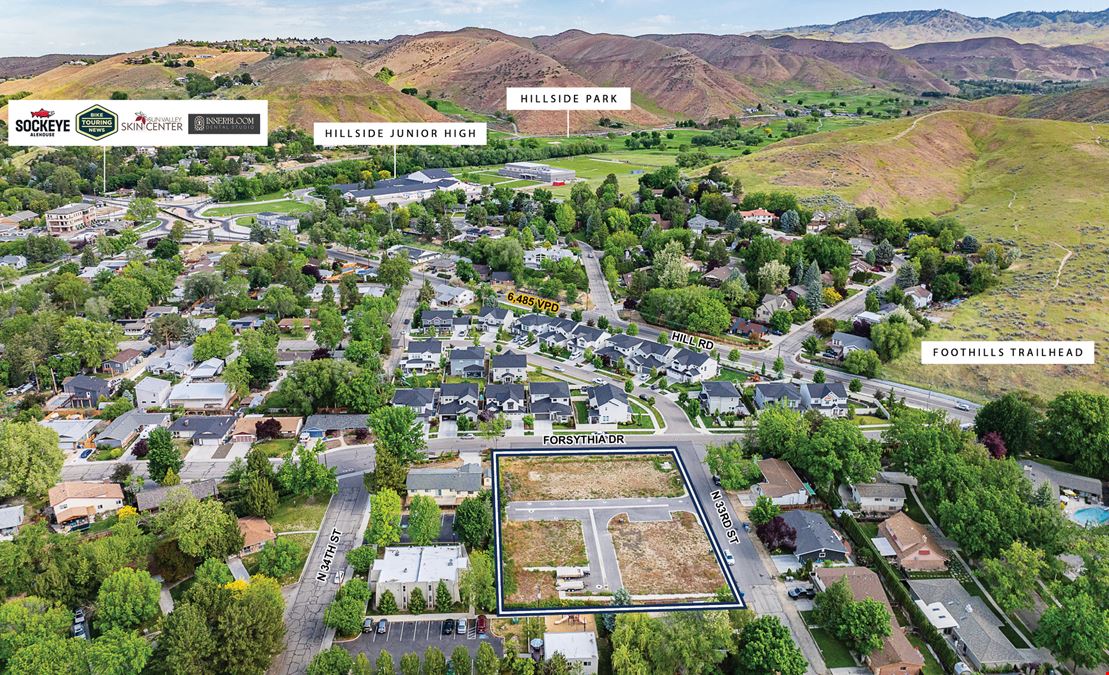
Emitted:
<point x="127" y="427"/>
<point x="468" y="362"/>
<point x="322" y="426"/>
<point x="422" y="356"/>
<point x="85" y="391"/>
<point x="421" y="400"/>
<point x="878" y="500"/>
<point x="1083" y="486"/>
<point x="722" y="398"/>
<point x="203" y="430"/>
<point x="778" y="393"/>
<point x="699" y="224"/>
<point x="495" y="318"/>
<point x="509" y="399"/>
<point x="152" y="499"/>
<point x="447" y="486"/>
<point x="816" y="540"/>
<point x="772" y="303"/>
<point x="608" y="404"/>
<point x="828" y="398"/>
<point x="459" y="399"/>
<point x="508" y="367"/>
<point x="151" y="392"/>
<point x="844" y="343"/>
<point x="442" y="319"/>
<point x="11" y="519"/>
<point x="551" y="401"/>
<point x="690" y="366"/>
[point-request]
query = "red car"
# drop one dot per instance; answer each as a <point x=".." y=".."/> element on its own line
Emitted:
<point x="482" y="624"/>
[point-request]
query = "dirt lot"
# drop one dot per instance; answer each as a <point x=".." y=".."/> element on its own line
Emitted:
<point x="532" y="586"/>
<point x="665" y="557"/>
<point x="590" y="477"/>
<point x="545" y="543"/>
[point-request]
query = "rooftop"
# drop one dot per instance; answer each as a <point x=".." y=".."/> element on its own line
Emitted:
<point x="415" y="564"/>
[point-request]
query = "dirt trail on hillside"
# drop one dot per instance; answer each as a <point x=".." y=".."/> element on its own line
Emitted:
<point x="1059" y="274"/>
<point x="904" y="132"/>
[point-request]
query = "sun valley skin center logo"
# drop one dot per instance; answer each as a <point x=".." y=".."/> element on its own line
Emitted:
<point x="144" y="122"/>
<point x="97" y="122"/>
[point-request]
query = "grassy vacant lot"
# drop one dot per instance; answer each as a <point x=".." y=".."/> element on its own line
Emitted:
<point x="299" y="514"/>
<point x="672" y="556"/>
<point x="589" y="477"/>
<point x="282" y="206"/>
<point x="545" y="543"/>
<point x="278" y="447"/>
<point x="835" y="653"/>
<point x="532" y="586"/>
<point x="1019" y="182"/>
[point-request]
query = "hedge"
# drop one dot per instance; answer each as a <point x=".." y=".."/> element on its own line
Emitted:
<point x="893" y="584"/>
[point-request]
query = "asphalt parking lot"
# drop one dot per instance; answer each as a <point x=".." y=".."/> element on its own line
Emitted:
<point x="405" y="637"/>
<point x="446" y="530"/>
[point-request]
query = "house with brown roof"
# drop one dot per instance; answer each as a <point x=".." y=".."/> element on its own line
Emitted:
<point x="896" y="655"/>
<point x="125" y="360"/>
<point x="781" y="483"/>
<point x="913" y="546"/>
<point x="256" y="534"/>
<point x="246" y="428"/>
<point x="76" y="504"/>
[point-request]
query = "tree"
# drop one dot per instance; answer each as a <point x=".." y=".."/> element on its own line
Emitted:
<point x="302" y="473"/>
<point x="127" y="599"/>
<point x="169" y="328"/>
<point x="780" y="321"/>
<point x="142" y="209"/>
<point x="461" y="661"/>
<point x="387" y="604"/>
<point x="1013" y="575"/>
<point x="329" y="326"/>
<point x="385" y="516"/>
<point x="814" y="296"/>
<point x="345" y="614"/>
<point x="473" y="520"/>
<point x="91" y="342"/>
<point x="1076" y="429"/>
<point x="361" y="559"/>
<point x="259" y="497"/>
<point x="30" y="459"/>
<point x="332" y="661"/>
<point x="729" y="463"/>
<point x="766" y="646"/>
<point x="884" y="252"/>
<point x="385" y="664"/>
<point x="443" y="599"/>
<point x="477" y="584"/>
<point x="781" y="430"/>
<point x="424" y="520"/>
<point x="398" y="433"/>
<point x="819" y="377"/>
<point x="668" y="266"/>
<point x="118" y="652"/>
<point x="863" y="362"/>
<point x="279" y="559"/>
<point x="417" y="603"/>
<point x="855" y="386"/>
<point x="186" y="645"/>
<point x="772" y="277"/>
<point x="163" y="455"/>
<point x="493" y="429"/>
<point x="217" y="343"/>
<point x="435" y="663"/>
<point x="764" y="510"/>
<point x="395" y="272"/>
<point x="252" y="628"/>
<point x="486" y="662"/>
<point x="281" y="301"/>
<point x="202" y="528"/>
<point x="1078" y="631"/>
<point x="410" y="664"/>
<point x="891" y="339"/>
<point x="28" y="620"/>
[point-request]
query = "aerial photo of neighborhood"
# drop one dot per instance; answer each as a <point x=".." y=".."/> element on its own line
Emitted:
<point x="578" y="338"/>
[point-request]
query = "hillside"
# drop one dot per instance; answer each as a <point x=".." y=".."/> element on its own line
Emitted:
<point x="905" y="29"/>
<point x="1003" y="58"/>
<point x="1086" y="104"/>
<point x="29" y="66"/>
<point x="299" y="90"/>
<point x="875" y="62"/>
<point x="1023" y="182"/>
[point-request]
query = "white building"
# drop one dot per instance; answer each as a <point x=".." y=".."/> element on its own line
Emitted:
<point x="150" y="392"/>
<point x="72" y="434"/>
<point x="200" y="396"/>
<point x="540" y="172"/>
<point x="276" y="222"/>
<point x="578" y="649"/>
<point x="453" y="296"/>
<point x="403" y="569"/>
<point x="69" y="219"/>
<point x="535" y="257"/>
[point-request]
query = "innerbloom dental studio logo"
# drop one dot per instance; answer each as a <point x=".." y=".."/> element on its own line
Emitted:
<point x="154" y="123"/>
<point x="97" y="122"/>
<point x="220" y="123"/>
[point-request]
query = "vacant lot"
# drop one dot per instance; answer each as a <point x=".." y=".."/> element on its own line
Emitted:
<point x="532" y="587"/>
<point x="545" y="543"/>
<point x="672" y="556"/>
<point x="590" y="477"/>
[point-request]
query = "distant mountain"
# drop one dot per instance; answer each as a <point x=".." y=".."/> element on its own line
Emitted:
<point x="871" y="60"/>
<point x="998" y="57"/>
<point x="1085" y="104"/>
<point x="905" y="29"/>
<point x="29" y="66"/>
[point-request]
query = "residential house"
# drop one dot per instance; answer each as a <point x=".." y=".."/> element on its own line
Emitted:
<point x="608" y="404"/>
<point x="277" y="222"/>
<point x="441" y="319"/>
<point x="914" y="548"/>
<point x="1062" y="483"/>
<point x="401" y="569"/>
<point x="922" y="297"/>
<point x="318" y="427"/>
<point x="127" y="427"/>
<point x="796" y="293"/>
<point x="509" y="399"/>
<point x="14" y="261"/>
<point x="868" y="318"/>
<point x="828" y="398"/>
<point x="508" y="367"/>
<point x="417" y="256"/>
<point x="760" y="216"/>
<point x="468" y="362"/>
<point x="150" y="392"/>
<point x="459" y="399"/>
<point x="85" y="391"/>
<point x="897" y="655"/>
<point x="453" y="296"/>
<point x="722" y="398"/>
<point x="690" y="366"/>
<point x="878" y="500"/>
<point x="246" y="428"/>
<point x="535" y="257"/>
<point x="816" y="541"/>
<point x="551" y="401"/>
<point x="151" y="499"/>
<point x="844" y="343"/>
<point x="970" y="626"/>
<point x="11" y="519"/>
<point x="448" y="486"/>
<point x="584" y="336"/>
<point x="177" y="362"/>
<point x="778" y="393"/>
<point x="207" y="370"/>
<point x="443" y="266"/>
<point x="422" y="356"/>
<point x="256" y="534"/>
<point x="75" y="504"/>
<point x="772" y="303"/>
<point x="781" y="484"/>
<point x="495" y="318"/>
<point x="202" y="430"/>
<point x="200" y="396"/>
<point x="73" y="435"/>
<point x="748" y="329"/>
<point x="699" y="224"/>
<point x="421" y="400"/>
<point x="502" y="279"/>
<point x="579" y="648"/>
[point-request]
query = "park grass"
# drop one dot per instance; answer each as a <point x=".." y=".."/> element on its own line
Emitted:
<point x="283" y="206"/>
<point x="299" y="514"/>
<point x="1019" y="182"/>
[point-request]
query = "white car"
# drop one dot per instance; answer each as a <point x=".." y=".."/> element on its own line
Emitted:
<point x="962" y="406"/>
<point x="728" y="557"/>
<point x="340" y="575"/>
<point x="559" y="368"/>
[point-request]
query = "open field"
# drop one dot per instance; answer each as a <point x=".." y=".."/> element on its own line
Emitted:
<point x="282" y="206"/>
<point x="299" y="514"/>
<point x="592" y="477"/>
<point x="532" y="586"/>
<point x="665" y="556"/>
<point x="1019" y="182"/>
<point x="545" y="543"/>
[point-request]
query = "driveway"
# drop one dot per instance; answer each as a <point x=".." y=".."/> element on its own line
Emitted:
<point x="446" y="529"/>
<point x="415" y="636"/>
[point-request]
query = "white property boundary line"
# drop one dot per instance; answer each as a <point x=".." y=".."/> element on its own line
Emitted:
<point x="607" y="609"/>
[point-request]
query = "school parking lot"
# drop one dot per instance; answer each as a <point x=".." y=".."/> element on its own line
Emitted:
<point x="405" y="637"/>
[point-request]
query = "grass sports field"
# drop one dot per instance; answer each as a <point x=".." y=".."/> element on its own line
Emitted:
<point x="282" y="206"/>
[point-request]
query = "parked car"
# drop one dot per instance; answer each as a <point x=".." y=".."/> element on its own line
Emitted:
<point x="460" y="627"/>
<point x="79" y="631"/>
<point x="382" y="626"/>
<point x="85" y="453"/>
<point x="799" y="592"/>
<point x="340" y="575"/>
<point x="78" y="615"/>
<point x="368" y="625"/>
<point x="728" y="557"/>
<point x="448" y="626"/>
<point x="482" y="624"/>
<point x="716" y="480"/>
<point x="149" y="350"/>
<point x="598" y="380"/>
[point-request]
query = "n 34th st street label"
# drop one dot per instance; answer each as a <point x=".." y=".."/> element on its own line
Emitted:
<point x="333" y="540"/>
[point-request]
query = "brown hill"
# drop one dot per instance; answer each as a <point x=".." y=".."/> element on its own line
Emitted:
<point x="1086" y="104"/>
<point x="752" y="61"/>
<point x="29" y="66"/>
<point x="997" y="57"/>
<point x="671" y="78"/>
<point x="472" y="67"/>
<point x="870" y="60"/>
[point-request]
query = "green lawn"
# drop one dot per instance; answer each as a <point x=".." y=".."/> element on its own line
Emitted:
<point x="732" y="375"/>
<point x="641" y="417"/>
<point x="279" y="447"/>
<point x="299" y="513"/>
<point x="931" y="665"/>
<point x="260" y="198"/>
<point x="835" y="653"/>
<point x="582" y="409"/>
<point x="869" y="419"/>
<point x="283" y="206"/>
<point x="913" y="509"/>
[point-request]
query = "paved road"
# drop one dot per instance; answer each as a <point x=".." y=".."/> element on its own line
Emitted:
<point x="406" y="306"/>
<point x="598" y="287"/>
<point x="305" y="632"/>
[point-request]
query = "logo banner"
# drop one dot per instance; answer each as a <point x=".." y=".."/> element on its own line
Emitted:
<point x="138" y="123"/>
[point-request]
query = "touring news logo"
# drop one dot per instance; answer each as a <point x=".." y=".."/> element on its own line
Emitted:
<point x="43" y="124"/>
<point x="216" y="123"/>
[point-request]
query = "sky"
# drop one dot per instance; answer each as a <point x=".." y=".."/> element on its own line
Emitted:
<point x="35" y="27"/>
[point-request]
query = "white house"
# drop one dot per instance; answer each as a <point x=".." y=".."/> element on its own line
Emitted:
<point x="535" y="257"/>
<point x="495" y="318"/>
<point x="829" y="398"/>
<point x="508" y="367"/>
<point x="510" y="399"/>
<point x="579" y="649"/>
<point x="72" y="434"/>
<point x="76" y="504"/>
<point x="771" y="304"/>
<point x="878" y="499"/>
<point x="422" y="356"/>
<point x="781" y="483"/>
<point x="922" y="297"/>
<point x="200" y="396"/>
<point x="608" y="404"/>
<point x="777" y="393"/>
<point x="691" y="366"/>
<point x="721" y="398"/>
<point x="453" y="296"/>
<point x="760" y="216"/>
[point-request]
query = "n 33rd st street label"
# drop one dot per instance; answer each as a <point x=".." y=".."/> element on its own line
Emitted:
<point x="721" y="505"/>
<point x="333" y="540"/>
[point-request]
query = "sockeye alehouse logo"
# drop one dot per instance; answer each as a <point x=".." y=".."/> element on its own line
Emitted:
<point x="43" y="124"/>
<point x="218" y="123"/>
<point x="144" y="122"/>
<point x="97" y="122"/>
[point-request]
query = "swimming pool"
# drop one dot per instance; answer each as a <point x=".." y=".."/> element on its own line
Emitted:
<point x="1092" y="516"/>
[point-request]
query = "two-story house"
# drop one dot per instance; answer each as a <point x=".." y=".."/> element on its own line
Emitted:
<point x="878" y="500"/>
<point x="422" y="356"/>
<point x="508" y="367"/>
<point x="421" y="400"/>
<point x="829" y="398"/>
<point x="76" y="504"/>
<point x="777" y="393"/>
<point x="468" y="362"/>
<point x="460" y="399"/>
<point x="722" y="398"/>
<point x="690" y="366"/>
<point x="551" y="401"/>
<point x="510" y="399"/>
<point x="608" y="404"/>
<point x="495" y="318"/>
